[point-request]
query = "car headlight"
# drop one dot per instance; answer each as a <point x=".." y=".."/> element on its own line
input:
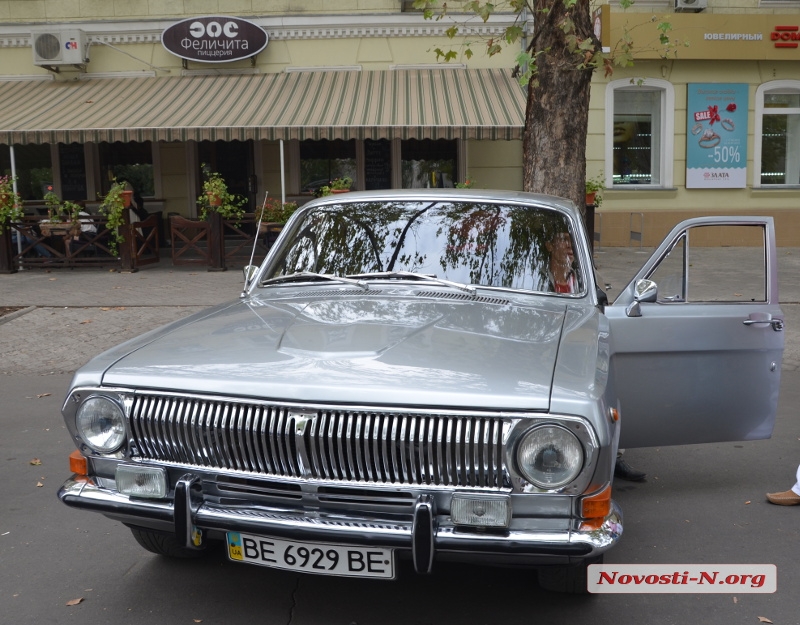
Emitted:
<point x="101" y="424"/>
<point x="549" y="456"/>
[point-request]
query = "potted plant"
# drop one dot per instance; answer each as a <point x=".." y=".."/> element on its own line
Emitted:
<point x="274" y="213"/>
<point x="467" y="184"/>
<point x="337" y="185"/>
<point x="60" y="213"/>
<point x="217" y="199"/>
<point x="113" y="207"/>
<point x="10" y="203"/>
<point x="593" y="188"/>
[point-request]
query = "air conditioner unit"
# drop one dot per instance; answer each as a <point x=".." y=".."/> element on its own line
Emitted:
<point x="690" y="6"/>
<point x="60" y="47"/>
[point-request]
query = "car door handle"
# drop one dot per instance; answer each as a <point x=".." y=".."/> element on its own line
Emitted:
<point x="759" y="318"/>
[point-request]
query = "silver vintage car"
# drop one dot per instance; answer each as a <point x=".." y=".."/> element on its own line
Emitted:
<point x="422" y="375"/>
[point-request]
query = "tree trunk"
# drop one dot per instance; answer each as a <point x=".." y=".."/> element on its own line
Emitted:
<point x="557" y="114"/>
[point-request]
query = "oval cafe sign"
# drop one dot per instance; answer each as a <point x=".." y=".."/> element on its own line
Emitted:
<point x="214" y="39"/>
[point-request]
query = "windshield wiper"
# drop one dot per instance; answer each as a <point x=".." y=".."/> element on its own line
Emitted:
<point x="310" y="275"/>
<point x="410" y="275"/>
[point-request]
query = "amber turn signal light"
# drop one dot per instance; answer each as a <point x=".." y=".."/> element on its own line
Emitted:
<point x="78" y="463"/>
<point x="597" y="506"/>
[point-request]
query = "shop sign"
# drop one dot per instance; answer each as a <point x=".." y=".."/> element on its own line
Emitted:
<point x="214" y="39"/>
<point x="785" y="36"/>
<point x="716" y="136"/>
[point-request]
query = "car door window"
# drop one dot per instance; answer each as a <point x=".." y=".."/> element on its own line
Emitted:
<point x="718" y="263"/>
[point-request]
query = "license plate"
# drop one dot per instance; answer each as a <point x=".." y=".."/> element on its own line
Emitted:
<point x="303" y="557"/>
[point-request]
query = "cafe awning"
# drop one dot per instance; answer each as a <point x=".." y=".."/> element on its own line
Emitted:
<point x="388" y="104"/>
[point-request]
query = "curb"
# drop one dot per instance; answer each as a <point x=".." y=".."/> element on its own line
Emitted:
<point x="15" y="314"/>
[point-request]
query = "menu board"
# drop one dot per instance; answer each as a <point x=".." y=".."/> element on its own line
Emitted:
<point x="377" y="164"/>
<point x="73" y="171"/>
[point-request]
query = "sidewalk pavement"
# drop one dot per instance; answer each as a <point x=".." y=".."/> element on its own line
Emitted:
<point x="67" y="316"/>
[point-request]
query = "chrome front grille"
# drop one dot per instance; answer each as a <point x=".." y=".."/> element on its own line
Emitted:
<point x="321" y="443"/>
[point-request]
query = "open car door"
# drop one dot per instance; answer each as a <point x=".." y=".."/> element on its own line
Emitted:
<point x="697" y="336"/>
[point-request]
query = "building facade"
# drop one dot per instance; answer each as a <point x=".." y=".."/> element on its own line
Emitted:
<point x="352" y="88"/>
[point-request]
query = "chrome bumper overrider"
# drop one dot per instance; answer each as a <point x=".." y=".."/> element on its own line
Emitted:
<point x="423" y="537"/>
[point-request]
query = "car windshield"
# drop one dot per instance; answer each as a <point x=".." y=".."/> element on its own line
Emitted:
<point x="481" y="243"/>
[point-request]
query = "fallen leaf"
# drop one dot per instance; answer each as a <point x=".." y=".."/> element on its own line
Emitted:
<point x="747" y="503"/>
<point x="75" y="601"/>
<point x="763" y="619"/>
<point x="738" y="294"/>
<point x="119" y="308"/>
<point x="40" y="395"/>
<point x="35" y="462"/>
<point x="106" y="308"/>
<point x="87" y="321"/>
<point x="39" y="485"/>
<point x="52" y="279"/>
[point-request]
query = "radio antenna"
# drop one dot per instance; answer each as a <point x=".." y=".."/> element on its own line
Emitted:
<point x="249" y="275"/>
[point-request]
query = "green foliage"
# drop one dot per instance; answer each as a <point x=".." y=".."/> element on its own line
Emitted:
<point x="10" y="202"/>
<point x="113" y="207"/>
<point x="596" y="185"/>
<point x="58" y="211"/>
<point x="275" y="211"/>
<point x="216" y="197"/>
<point x="337" y="184"/>
<point x="587" y="50"/>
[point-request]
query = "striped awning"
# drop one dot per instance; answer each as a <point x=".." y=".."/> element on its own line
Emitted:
<point x="405" y="104"/>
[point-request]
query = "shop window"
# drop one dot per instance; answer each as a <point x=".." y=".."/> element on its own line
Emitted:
<point x="429" y="163"/>
<point x="132" y="162"/>
<point x="233" y="160"/>
<point x="323" y="161"/>
<point x="777" y="134"/>
<point x="639" y="133"/>
<point x="33" y="167"/>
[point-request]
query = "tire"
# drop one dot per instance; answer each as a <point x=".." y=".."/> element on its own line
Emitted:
<point x="164" y="544"/>
<point x="570" y="579"/>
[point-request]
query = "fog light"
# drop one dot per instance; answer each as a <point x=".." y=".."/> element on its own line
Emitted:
<point x="480" y="510"/>
<point x="137" y="481"/>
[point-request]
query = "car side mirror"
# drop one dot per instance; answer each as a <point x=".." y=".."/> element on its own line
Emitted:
<point x="643" y="291"/>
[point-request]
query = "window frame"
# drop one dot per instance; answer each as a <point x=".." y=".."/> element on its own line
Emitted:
<point x="773" y="86"/>
<point x="666" y="136"/>
<point x="293" y="164"/>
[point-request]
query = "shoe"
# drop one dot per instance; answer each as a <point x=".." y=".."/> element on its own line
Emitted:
<point x="624" y="471"/>
<point x="786" y="498"/>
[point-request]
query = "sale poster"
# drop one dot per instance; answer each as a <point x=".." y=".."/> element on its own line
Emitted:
<point x="716" y="136"/>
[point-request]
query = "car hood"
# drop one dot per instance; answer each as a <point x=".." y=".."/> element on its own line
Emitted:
<point x="376" y="350"/>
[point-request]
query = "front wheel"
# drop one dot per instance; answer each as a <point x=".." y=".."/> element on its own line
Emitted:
<point x="164" y="544"/>
<point x="571" y="578"/>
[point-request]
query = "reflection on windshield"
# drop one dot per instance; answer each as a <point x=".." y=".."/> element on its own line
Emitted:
<point x="487" y="244"/>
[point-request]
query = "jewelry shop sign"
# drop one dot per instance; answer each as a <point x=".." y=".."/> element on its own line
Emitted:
<point x="214" y="39"/>
<point x="716" y="136"/>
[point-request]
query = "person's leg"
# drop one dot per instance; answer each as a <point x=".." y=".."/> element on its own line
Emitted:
<point x="789" y="497"/>
<point x="624" y="471"/>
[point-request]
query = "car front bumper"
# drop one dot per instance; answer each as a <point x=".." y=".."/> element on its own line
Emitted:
<point x="426" y="537"/>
